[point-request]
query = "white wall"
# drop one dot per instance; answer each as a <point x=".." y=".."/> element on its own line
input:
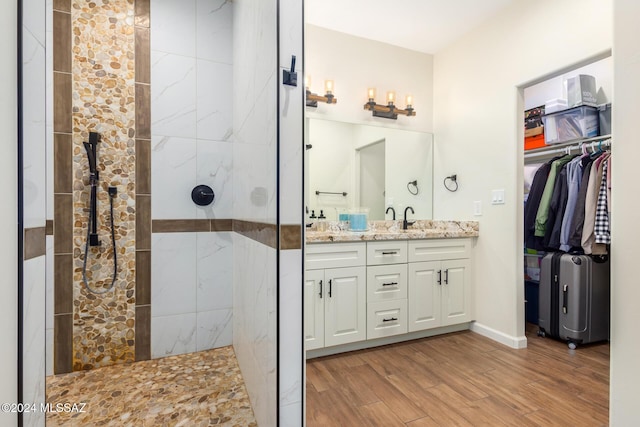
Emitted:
<point x="478" y="115"/>
<point x="355" y="64"/>
<point x="8" y="215"/>
<point x="552" y="88"/>
<point x="625" y="292"/>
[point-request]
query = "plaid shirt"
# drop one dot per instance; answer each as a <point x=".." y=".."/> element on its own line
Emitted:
<point x="601" y="227"/>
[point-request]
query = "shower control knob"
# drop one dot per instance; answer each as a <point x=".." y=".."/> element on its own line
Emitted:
<point x="202" y="195"/>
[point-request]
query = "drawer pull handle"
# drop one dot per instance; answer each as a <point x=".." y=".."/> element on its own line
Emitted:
<point x="320" y="289"/>
<point x="439" y="277"/>
<point x="329" y="288"/>
<point x="390" y="253"/>
<point x="446" y="276"/>
<point x="390" y="284"/>
<point x="393" y="319"/>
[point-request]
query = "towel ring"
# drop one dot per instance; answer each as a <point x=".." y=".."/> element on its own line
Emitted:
<point x="454" y="179"/>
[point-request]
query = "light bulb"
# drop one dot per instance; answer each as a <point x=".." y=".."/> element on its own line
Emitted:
<point x="328" y="86"/>
<point x="307" y="82"/>
<point x="409" y="100"/>
<point x="391" y="97"/>
<point x="372" y="93"/>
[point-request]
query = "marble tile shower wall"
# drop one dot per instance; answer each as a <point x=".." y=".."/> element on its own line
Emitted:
<point x="191" y="294"/>
<point x="254" y="180"/>
<point x="191" y="144"/>
<point x="191" y="104"/>
<point x="35" y="198"/>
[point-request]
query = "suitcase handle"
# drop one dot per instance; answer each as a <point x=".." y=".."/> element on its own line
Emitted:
<point x="565" y="297"/>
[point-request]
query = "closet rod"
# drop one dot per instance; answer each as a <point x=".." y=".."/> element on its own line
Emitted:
<point x="562" y="148"/>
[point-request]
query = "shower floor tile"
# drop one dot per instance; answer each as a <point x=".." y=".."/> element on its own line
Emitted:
<point x="198" y="389"/>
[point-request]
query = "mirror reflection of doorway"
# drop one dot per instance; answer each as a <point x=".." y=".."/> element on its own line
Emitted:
<point x="372" y="178"/>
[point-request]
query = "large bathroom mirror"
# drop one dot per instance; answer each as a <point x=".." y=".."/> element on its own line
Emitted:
<point x="355" y="165"/>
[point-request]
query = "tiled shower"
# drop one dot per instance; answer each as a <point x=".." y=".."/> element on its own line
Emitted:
<point x="183" y="93"/>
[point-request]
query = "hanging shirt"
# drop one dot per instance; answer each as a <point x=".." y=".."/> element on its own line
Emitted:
<point x="593" y="190"/>
<point x="533" y="201"/>
<point x="543" y="210"/>
<point x="574" y="177"/>
<point x="601" y="227"/>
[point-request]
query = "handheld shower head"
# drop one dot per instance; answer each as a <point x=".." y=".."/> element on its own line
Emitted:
<point x="91" y="155"/>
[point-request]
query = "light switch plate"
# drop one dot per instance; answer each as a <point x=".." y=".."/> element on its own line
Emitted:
<point x="497" y="197"/>
<point x="477" y="208"/>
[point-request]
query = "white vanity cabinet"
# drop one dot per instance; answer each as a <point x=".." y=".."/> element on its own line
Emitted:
<point x="439" y="291"/>
<point x="335" y="295"/>
<point x="383" y="291"/>
<point x="386" y="288"/>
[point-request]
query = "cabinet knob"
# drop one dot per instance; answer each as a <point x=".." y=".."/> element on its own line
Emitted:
<point x="439" y="277"/>
<point x="320" y="289"/>
<point x="446" y="276"/>
<point x="329" y="288"/>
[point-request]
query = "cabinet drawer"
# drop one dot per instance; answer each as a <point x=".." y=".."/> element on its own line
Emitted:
<point x="387" y="252"/>
<point x="335" y="255"/>
<point x="386" y="318"/>
<point x="386" y="282"/>
<point x="435" y="250"/>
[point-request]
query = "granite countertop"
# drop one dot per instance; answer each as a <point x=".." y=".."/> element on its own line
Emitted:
<point x="333" y="231"/>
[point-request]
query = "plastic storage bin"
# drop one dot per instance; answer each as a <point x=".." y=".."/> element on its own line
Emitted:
<point x="571" y="124"/>
<point x="604" y="118"/>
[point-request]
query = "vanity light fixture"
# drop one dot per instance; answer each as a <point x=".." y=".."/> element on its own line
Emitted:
<point x="312" y="98"/>
<point x="389" y="111"/>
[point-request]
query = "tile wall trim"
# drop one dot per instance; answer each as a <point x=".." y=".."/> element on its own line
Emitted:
<point x="142" y="52"/>
<point x="34" y="242"/>
<point x="265" y="233"/>
<point x="290" y="236"/>
<point x="259" y="231"/>
<point x="190" y="225"/>
<point x="61" y="227"/>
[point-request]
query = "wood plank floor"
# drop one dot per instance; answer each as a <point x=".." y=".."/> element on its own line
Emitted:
<point x="461" y="379"/>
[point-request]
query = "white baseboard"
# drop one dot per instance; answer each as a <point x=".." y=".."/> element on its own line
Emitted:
<point x="501" y="337"/>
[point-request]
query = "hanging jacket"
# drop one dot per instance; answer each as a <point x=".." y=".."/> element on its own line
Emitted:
<point x="543" y="210"/>
<point x="531" y="207"/>
<point x="557" y="207"/>
<point x="575" y="239"/>
<point x="574" y="178"/>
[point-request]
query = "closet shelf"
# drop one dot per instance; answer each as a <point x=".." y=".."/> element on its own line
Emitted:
<point x="562" y="147"/>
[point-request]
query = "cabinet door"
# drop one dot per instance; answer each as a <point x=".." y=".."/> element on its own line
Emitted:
<point x="456" y="298"/>
<point x="345" y="305"/>
<point x="424" y="295"/>
<point x="314" y="309"/>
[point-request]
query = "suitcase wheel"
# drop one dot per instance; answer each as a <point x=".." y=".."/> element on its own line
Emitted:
<point x="542" y="333"/>
<point x="572" y="345"/>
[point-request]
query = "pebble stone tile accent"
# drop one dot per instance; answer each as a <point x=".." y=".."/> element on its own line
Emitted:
<point x="103" y="70"/>
<point x="197" y="389"/>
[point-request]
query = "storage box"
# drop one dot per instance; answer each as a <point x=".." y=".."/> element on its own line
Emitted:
<point x="581" y="90"/>
<point x="604" y="118"/>
<point x="571" y="124"/>
<point x="531" y="142"/>
<point x="553" y="105"/>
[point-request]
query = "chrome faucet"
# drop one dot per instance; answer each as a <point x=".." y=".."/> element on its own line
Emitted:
<point x="393" y="210"/>
<point x="406" y="223"/>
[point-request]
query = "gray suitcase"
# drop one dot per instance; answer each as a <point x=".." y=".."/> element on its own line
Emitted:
<point x="574" y="298"/>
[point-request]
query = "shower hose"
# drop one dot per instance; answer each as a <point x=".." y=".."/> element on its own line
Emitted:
<point x="86" y="252"/>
